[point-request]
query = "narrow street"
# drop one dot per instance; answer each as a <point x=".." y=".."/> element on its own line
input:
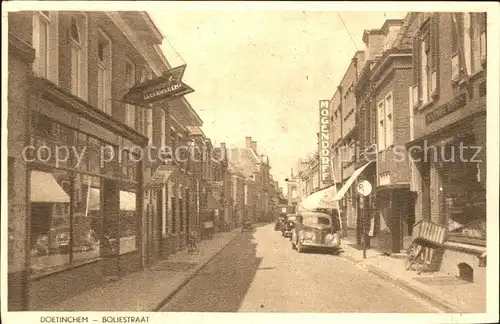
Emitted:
<point x="259" y="272"/>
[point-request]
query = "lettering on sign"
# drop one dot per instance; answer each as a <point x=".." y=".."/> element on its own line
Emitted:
<point x="446" y="109"/>
<point x="168" y="85"/>
<point x="324" y="140"/>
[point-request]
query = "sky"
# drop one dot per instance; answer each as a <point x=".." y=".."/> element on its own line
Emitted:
<point x="262" y="73"/>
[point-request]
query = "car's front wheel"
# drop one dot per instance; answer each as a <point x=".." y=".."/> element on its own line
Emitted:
<point x="300" y="249"/>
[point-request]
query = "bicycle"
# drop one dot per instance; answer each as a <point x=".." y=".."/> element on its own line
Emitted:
<point x="415" y="255"/>
<point x="428" y="237"/>
<point x="192" y="242"/>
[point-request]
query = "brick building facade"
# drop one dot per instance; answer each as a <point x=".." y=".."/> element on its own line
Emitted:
<point x="89" y="226"/>
<point x="448" y="140"/>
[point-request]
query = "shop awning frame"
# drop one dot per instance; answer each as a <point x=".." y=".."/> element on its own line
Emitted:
<point x="46" y="189"/>
<point x="340" y="194"/>
<point x="322" y="199"/>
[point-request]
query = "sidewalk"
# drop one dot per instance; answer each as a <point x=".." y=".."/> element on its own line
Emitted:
<point x="148" y="290"/>
<point x="448" y="293"/>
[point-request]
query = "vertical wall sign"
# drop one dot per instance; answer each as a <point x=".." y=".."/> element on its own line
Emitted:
<point x="324" y="141"/>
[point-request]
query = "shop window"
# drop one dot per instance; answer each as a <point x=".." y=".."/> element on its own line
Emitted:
<point x="87" y="223"/>
<point x="50" y="226"/>
<point x="464" y="199"/>
<point x="128" y="221"/>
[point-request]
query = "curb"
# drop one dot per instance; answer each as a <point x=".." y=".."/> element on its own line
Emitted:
<point x="439" y="303"/>
<point x="418" y="292"/>
<point x="188" y="278"/>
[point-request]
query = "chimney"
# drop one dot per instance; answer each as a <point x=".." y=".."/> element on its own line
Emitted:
<point x="254" y="146"/>
<point x="391" y="29"/>
<point x="248" y="142"/>
<point x="374" y="40"/>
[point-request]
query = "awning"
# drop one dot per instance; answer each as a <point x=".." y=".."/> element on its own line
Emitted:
<point x="320" y="199"/>
<point x="44" y="188"/>
<point x="127" y="201"/>
<point x="161" y="175"/>
<point x="212" y="202"/>
<point x="349" y="182"/>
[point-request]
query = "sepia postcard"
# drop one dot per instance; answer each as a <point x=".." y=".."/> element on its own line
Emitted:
<point x="243" y="161"/>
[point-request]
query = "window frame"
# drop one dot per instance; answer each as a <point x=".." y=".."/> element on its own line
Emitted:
<point x="39" y="19"/>
<point x="79" y="71"/>
<point x="105" y="66"/>
<point x="389" y="127"/>
<point x="381" y="125"/>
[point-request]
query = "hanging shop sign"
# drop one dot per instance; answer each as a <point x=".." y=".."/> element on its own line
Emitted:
<point x="364" y="188"/>
<point x="324" y="140"/>
<point x="169" y="85"/>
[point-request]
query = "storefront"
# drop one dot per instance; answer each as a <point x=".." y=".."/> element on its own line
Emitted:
<point x="84" y="196"/>
<point x="452" y="192"/>
<point x="392" y="223"/>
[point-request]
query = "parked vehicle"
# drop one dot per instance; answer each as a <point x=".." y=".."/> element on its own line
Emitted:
<point x="316" y="230"/>
<point x="288" y="226"/>
<point x="280" y="220"/>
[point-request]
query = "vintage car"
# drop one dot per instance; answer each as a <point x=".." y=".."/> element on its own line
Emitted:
<point x="280" y="220"/>
<point x="316" y="230"/>
<point x="288" y="226"/>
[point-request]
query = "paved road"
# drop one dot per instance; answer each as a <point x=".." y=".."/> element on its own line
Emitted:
<point x="259" y="272"/>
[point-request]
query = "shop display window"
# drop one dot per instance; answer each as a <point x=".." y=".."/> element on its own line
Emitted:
<point x="87" y="222"/>
<point x="128" y="221"/>
<point x="464" y="199"/>
<point x="52" y="230"/>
